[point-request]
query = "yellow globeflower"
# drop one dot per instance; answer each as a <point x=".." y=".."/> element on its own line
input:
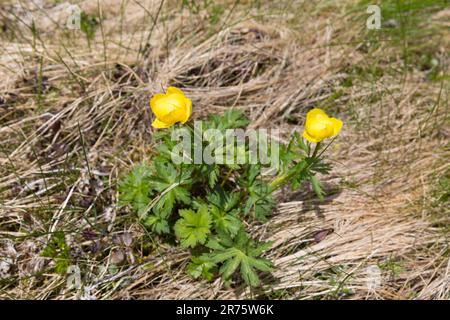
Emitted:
<point x="320" y="126"/>
<point x="170" y="107"/>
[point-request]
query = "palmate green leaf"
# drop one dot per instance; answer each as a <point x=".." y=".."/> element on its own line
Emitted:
<point x="241" y="252"/>
<point x="135" y="189"/>
<point x="168" y="199"/>
<point x="253" y="172"/>
<point x="212" y="172"/>
<point x="231" y="119"/>
<point x="193" y="227"/>
<point x="225" y="217"/>
<point x="213" y="177"/>
<point x="226" y="221"/>
<point x="287" y="157"/>
<point x="200" y="268"/>
<point x="166" y="151"/>
<point x="260" y="201"/>
<point x="157" y="223"/>
<point x="172" y="186"/>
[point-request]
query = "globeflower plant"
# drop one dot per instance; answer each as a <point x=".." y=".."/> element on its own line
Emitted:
<point x="207" y="207"/>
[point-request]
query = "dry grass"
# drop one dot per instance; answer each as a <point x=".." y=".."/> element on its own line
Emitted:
<point x="74" y="118"/>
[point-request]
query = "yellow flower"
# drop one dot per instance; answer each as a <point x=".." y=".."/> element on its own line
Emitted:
<point x="320" y="126"/>
<point x="170" y="107"/>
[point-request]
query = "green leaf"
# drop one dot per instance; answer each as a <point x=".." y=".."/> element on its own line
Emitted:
<point x="299" y="173"/>
<point x="253" y="172"/>
<point x="135" y="189"/>
<point x="302" y="143"/>
<point x="200" y="268"/>
<point x="241" y="252"/>
<point x="226" y="222"/>
<point x="225" y="219"/>
<point x="59" y="251"/>
<point x="317" y="187"/>
<point x="289" y="155"/>
<point x="213" y="175"/>
<point x="443" y="189"/>
<point x="260" y="201"/>
<point x="224" y="201"/>
<point x="231" y="119"/>
<point x="319" y="166"/>
<point x="171" y="184"/>
<point x="62" y="264"/>
<point x="193" y="227"/>
<point x="157" y="223"/>
<point x="88" y="25"/>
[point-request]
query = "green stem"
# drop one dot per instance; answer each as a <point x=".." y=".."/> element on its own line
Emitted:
<point x="277" y="182"/>
<point x="316" y="149"/>
<point x="230" y="172"/>
<point x="281" y="179"/>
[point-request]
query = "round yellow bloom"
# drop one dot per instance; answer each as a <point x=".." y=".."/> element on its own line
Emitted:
<point x="320" y="126"/>
<point x="170" y="107"/>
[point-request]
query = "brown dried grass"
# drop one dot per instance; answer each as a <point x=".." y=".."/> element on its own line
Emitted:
<point x="93" y="109"/>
